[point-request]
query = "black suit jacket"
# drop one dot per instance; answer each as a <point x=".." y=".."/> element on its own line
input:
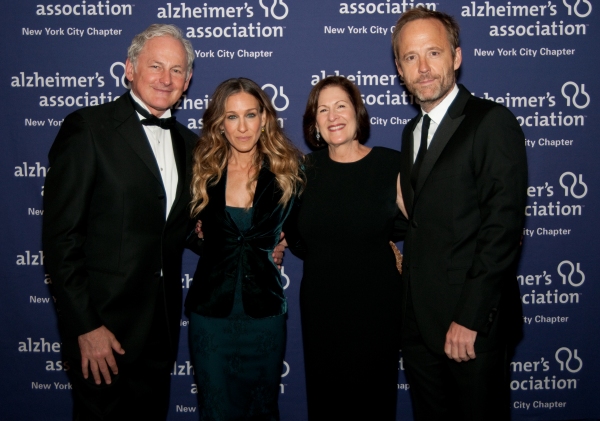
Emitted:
<point x="105" y="236"/>
<point x="227" y="253"/>
<point x="466" y="219"/>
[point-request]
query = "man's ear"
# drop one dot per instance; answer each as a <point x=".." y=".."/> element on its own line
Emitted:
<point x="187" y="82"/>
<point x="399" y="68"/>
<point x="129" y="70"/>
<point x="457" y="58"/>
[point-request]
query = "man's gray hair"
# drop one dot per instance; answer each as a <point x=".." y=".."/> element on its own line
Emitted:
<point x="160" y="30"/>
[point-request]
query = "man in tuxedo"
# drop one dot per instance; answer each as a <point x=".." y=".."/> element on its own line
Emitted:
<point x="115" y="221"/>
<point x="463" y="178"/>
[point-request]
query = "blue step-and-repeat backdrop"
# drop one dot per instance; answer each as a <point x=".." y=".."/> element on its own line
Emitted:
<point x="537" y="57"/>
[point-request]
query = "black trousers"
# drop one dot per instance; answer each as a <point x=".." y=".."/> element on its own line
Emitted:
<point x="443" y="389"/>
<point x="141" y="389"/>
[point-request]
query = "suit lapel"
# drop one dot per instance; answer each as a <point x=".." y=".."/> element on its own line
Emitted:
<point x="264" y="185"/>
<point x="181" y="163"/>
<point x="217" y="204"/>
<point x="264" y="195"/>
<point x="407" y="163"/>
<point x="129" y="127"/>
<point x="262" y="203"/>
<point x="442" y="136"/>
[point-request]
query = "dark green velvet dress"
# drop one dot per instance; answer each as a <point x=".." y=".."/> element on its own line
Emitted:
<point x="238" y="359"/>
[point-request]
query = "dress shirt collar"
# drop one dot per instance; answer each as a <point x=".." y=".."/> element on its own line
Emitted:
<point x="438" y="113"/>
<point x="166" y="114"/>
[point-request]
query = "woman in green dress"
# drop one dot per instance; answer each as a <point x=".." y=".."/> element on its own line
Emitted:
<point x="246" y="177"/>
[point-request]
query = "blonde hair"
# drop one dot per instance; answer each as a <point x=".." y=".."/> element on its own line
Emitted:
<point x="273" y="149"/>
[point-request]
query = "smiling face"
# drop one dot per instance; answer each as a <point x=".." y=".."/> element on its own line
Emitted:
<point x="425" y="61"/>
<point x="243" y="122"/>
<point x="159" y="76"/>
<point x="336" y="116"/>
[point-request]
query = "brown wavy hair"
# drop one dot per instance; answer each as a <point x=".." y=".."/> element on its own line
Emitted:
<point x="274" y="149"/>
<point x="309" y="120"/>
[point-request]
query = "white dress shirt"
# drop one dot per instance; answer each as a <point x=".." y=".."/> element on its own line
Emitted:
<point x="162" y="147"/>
<point x="436" y="115"/>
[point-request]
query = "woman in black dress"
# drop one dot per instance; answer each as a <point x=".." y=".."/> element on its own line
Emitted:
<point x="246" y="177"/>
<point x="350" y="291"/>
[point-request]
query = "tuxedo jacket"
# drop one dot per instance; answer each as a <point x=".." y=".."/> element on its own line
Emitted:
<point x="228" y="254"/>
<point x="466" y="217"/>
<point x="105" y="236"/>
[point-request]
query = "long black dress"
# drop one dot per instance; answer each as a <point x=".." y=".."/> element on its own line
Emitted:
<point x="350" y="292"/>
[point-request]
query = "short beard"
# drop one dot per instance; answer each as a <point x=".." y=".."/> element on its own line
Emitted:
<point x="443" y="91"/>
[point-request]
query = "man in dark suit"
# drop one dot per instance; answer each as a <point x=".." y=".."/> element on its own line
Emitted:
<point x="463" y="178"/>
<point x="115" y="222"/>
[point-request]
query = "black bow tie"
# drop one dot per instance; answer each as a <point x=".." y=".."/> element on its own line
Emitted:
<point x="152" y="120"/>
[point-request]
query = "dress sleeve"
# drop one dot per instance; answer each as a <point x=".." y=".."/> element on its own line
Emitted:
<point x="292" y="234"/>
<point x="400" y="227"/>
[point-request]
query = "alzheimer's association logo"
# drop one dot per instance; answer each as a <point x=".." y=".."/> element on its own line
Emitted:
<point x="571" y="272"/>
<point x="277" y="93"/>
<point x="278" y="10"/>
<point x="571" y="91"/>
<point x="120" y="79"/>
<point x="573" y="185"/>
<point x="581" y="8"/>
<point x="568" y="360"/>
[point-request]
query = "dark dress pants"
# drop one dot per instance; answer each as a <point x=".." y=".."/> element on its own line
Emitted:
<point x="443" y="389"/>
<point x="141" y="389"/>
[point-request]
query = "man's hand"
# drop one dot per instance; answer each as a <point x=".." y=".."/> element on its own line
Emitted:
<point x="198" y="229"/>
<point x="97" y="349"/>
<point x="460" y="343"/>
<point x="278" y="250"/>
